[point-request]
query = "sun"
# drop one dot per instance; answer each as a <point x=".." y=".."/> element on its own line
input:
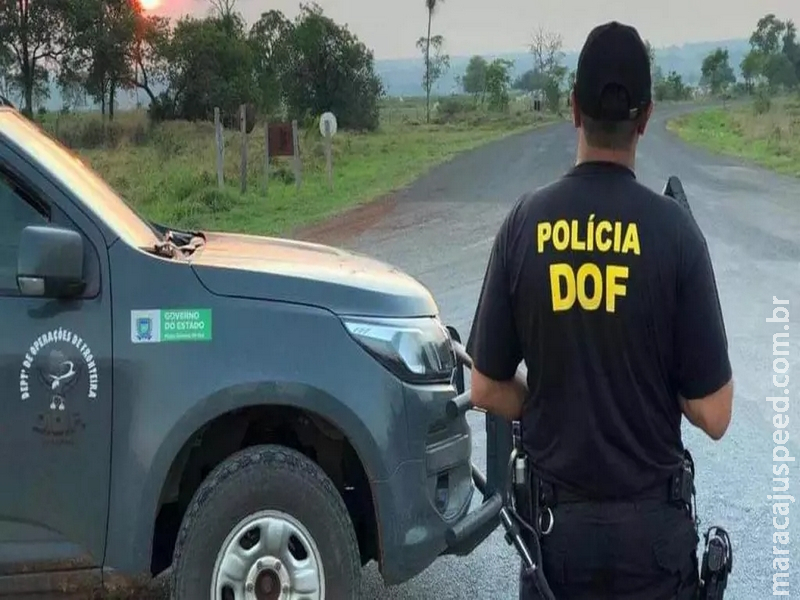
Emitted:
<point x="150" y="4"/>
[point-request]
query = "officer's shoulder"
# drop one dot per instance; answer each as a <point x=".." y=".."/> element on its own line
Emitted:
<point x="541" y="196"/>
<point x="661" y="206"/>
<point x="674" y="222"/>
<point x="530" y="204"/>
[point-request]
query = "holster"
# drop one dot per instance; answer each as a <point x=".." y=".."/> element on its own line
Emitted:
<point x="681" y="487"/>
<point x="717" y="564"/>
<point x="523" y="485"/>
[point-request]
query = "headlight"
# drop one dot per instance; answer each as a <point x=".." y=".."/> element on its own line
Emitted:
<point x="416" y="350"/>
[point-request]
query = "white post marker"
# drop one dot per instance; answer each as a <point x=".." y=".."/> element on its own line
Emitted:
<point x="327" y="127"/>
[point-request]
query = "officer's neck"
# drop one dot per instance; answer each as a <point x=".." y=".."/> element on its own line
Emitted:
<point x="587" y="153"/>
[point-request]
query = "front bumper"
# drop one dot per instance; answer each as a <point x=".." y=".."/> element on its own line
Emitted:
<point x="424" y="507"/>
<point x="468" y="533"/>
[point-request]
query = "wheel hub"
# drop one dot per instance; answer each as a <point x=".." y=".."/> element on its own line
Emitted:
<point x="268" y="556"/>
<point x="268" y="586"/>
<point x="268" y="580"/>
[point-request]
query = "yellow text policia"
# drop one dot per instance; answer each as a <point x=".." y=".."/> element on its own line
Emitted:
<point x="602" y="236"/>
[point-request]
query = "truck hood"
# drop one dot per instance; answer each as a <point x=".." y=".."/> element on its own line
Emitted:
<point x="299" y="272"/>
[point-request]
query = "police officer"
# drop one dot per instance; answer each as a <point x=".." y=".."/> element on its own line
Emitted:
<point x="606" y="290"/>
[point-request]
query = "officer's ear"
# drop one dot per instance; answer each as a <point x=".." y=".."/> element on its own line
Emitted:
<point x="576" y="113"/>
<point x="644" y="119"/>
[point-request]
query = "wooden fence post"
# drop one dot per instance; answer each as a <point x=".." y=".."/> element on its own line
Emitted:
<point x="329" y="154"/>
<point x="266" y="155"/>
<point x="243" y="131"/>
<point x="219" y="143"/>
<point x="296" y="143"/>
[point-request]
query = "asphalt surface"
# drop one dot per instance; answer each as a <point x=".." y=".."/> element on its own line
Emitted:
<point x="440" y="230"/>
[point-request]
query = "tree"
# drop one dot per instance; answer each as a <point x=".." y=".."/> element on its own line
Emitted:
<point x="498" y="80"/>
<point x="553" y="88"/>
<point x="474" y="79"/>
<point x="571" y="78"/>
<point x="6" y="63"/>
<point x="209" y="64"/>
<point x="271" y="54"/>
<point x="546" y="48"/>
<point x="530" y="81"/>
<point x="225" y="10"/>
<point x="150" y="58"/>
<point x="437" y="65"/>
<point x="101" y="56"/>
<point x="774" y="57"/>
<point x="716" y="70"/>
<point x="431" y="6"/>
<point x="656" y="74"/>
<point x="36" y="34"/>
<point x="779" y="71"/>
<point x="330" y="69"/>
<point x="672" y="87"/>
<point x="766" y="39"/>
<point x="791" y="49"/>
<point x="751" y="68"/>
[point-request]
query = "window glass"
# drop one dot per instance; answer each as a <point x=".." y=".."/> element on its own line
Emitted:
<point x="16" y="213"/>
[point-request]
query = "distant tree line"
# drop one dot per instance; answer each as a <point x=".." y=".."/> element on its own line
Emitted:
<point x="772" y="65"/>
<point x="96" y="48"/>
<point x="489" y="83"/>
<point x="774" y="57"/>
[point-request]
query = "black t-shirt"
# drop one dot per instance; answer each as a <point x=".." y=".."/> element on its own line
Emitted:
<point x="605" y="288"/>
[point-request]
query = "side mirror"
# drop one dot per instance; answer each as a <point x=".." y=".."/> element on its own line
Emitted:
<point x="50" y="262"/>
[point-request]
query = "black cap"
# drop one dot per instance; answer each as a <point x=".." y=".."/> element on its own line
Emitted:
<point x="613" y="54"/>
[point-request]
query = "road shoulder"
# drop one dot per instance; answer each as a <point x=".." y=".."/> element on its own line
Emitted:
<point x="763" y="135"/>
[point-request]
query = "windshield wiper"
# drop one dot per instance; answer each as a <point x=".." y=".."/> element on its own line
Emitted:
<point x="166" y="249"/>
<point x="175" y="245"/>
<point x="170" y="249"/>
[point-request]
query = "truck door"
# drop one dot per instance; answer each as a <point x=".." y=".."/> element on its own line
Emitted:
<point x="55" y="392"/>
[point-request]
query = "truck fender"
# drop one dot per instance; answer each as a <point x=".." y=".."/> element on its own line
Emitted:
<point x="132" y="519"/>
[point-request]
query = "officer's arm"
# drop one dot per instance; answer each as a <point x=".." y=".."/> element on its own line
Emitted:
<point x="494" y="343"/>
<point x="701" y="346"/>
<point x="712" y="413"/>
<point x="501" y="398"/>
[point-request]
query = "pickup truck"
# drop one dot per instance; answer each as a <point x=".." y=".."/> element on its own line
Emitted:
<point x="247" y="417"/>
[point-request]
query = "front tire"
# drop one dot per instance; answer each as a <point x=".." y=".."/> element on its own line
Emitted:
<point x="267" y="524"/>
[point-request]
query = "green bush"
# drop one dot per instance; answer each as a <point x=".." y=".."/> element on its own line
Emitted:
<point x="450" y="109"/>
<point x="762" y="103"/>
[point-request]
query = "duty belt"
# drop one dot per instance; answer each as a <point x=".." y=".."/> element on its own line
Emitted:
<point x="678" y="490"/>
<point x="551" y="495"/>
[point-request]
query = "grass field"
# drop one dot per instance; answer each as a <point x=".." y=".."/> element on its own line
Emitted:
<point x="770" y="138"/>
<point x="169" y="171"/>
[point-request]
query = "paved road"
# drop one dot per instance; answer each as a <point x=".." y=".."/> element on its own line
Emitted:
<point x="440" y="230"/>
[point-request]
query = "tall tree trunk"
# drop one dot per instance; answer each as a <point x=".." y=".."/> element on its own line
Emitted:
<point x="112" y="92"/>
<point x="28" y="72"/>
<point x="428" y="71"/>
<point x="28" y="82"/>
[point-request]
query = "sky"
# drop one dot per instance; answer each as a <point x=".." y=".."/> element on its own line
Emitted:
<point x="391" y="27"/>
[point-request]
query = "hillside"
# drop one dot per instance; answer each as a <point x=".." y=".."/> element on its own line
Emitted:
<point x="403" y="77"/>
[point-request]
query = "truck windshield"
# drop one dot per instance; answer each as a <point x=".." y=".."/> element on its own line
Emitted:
<point x="81" y="179"/>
